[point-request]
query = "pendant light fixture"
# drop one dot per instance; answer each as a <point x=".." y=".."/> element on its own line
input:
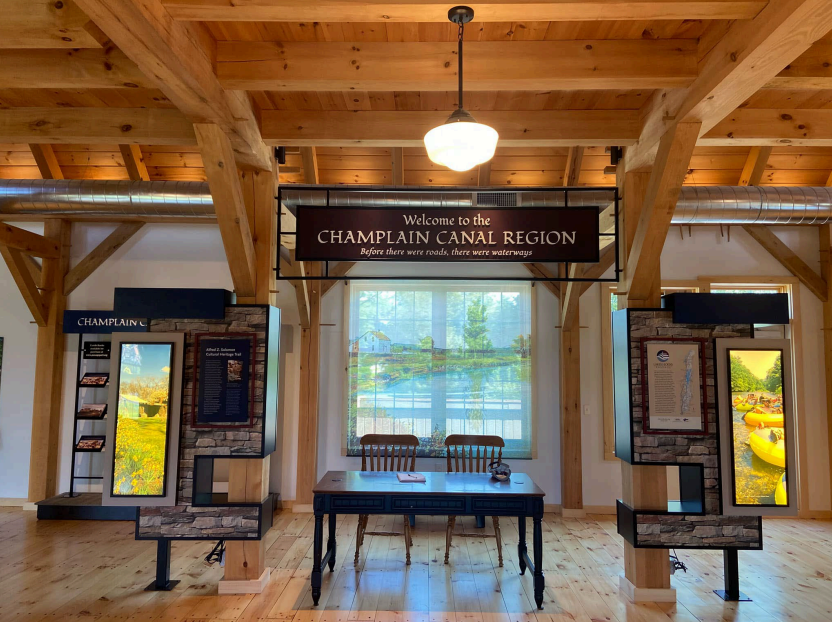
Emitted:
<point x="461" y="143"/>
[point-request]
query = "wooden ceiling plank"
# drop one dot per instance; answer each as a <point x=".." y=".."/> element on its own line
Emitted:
<point x="391" y="11"/>
<point x="134" y="162"/>
<point x="99" y="255"/>
<point x="750" y="54"/>
<point x="426" y="66"/>
<point x="669" y="169"/>
<point x="772" y="127"/>
<point x="810" y="70"/>
<point x="95" y="125"/>
<point x="408" y="128"/>
<point x="755" y="166"/>
<point x="572" y="172"/>
<point x="172" y="53"/>
<point x="788" y="259"/>
<point x="27" y="242"/>
<point x="22" y="275"/>
<point x="46" y="161"/>
<point x="310" y="165"/>
<point x="224" y="183"/>
<point x="44" y="24"/>
<point x="70" y="69"/>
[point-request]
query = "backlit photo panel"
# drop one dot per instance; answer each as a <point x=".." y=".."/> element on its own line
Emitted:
<point x="142" y="430"/>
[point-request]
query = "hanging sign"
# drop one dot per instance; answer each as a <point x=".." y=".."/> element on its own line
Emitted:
<point x="96" y="349"/>
<point x="447" y="234"/>
<point x="101" y="323"/>
<point x="225" y="394"/>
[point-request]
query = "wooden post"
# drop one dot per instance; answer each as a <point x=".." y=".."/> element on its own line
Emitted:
<point x="248" y="479"/>
<point x="49" y="365"/>
<point x="825" y="232"/>
<point x="572" y="500"/>
<point x="310" y="339"/>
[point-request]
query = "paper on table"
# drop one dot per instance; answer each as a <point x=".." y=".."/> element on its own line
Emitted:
<point x="416" y="478"/>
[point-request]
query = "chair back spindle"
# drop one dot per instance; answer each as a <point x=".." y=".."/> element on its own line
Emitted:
<point x="472" y="453"/>
<point x="388" y="452"/>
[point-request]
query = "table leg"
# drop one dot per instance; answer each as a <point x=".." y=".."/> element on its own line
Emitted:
<point x="480" y="522"/>
<point x="538" y="561"/>
<point x="330" y="544"/>
<point x="316" y="558"/>
<point x="521" y="543"/>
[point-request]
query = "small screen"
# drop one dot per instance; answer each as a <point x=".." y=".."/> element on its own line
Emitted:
<point x="141" y="431"/>
<point x="759" y="429"/>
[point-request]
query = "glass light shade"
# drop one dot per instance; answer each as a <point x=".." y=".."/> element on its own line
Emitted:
<point x="461" y="143"/>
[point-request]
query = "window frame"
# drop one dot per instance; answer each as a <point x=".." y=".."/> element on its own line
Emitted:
<point x="533" y="426"/>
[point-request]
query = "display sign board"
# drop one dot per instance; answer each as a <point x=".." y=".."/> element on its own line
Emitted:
<point x="348" y="233"/>
<point x="675" y="392"/>
<point x="101" y="323"/>
<point x="225" y="386"/>
<point x="96" y="349"/>
<point x="756" y="426"/>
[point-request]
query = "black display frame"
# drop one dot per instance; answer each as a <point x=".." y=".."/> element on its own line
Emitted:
<point x="167" y="428"/>
<point x="786" y="431"/>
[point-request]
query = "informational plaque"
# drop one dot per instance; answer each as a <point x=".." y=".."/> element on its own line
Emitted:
<point x="224" y="380"/>
<point x="96" y="349"/>
<point x="673" y="370"/>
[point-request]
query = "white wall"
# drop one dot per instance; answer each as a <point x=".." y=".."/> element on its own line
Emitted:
<point x="192" y="256"/>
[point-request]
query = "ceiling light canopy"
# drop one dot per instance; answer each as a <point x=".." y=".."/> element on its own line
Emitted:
<point x="461" y="143"/>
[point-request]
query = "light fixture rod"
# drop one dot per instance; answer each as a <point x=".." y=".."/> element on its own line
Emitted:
<point x="459" y="52"/>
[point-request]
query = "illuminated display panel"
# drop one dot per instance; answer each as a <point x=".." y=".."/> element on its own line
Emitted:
<point x="759" y="428"/>
<point x="141" y="426"/>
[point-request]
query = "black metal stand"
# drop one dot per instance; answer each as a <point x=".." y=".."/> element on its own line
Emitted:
<point x="162" y="582"/>
<point x="732" y="578"/>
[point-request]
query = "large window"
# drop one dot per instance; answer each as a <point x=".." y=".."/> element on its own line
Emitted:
<point x="433" y="359"/>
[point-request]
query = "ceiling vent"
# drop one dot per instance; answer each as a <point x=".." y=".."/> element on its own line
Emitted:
<point x="497" y="199"/>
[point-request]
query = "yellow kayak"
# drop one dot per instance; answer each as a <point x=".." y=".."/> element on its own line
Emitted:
<point x="780" y="496"/>
<point x="768" y="446"/>
<point x="769" y="419"/>
<point x="744" y="407"/>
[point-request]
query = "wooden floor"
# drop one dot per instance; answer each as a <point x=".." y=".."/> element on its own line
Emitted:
<point x="84" y="571"/>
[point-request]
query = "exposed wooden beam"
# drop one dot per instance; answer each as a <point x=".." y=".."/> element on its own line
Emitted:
<point x="772" y="127"/>
<point x="788" y="259"/>
<point x="571" y="295"/>
<point x="386" y="11"/>
<point x="542" y="271"/>
<point x="750" y="54"/>
<point x="484" y="174"/>
<point x="825" y="240"/>
<point x="174" y="54"/>
<point x="44" y="24"/>
<point x="570" y="420"/>
<point x="574" y="159"/>
<point x="134" y="162"/>
<point x="432" y="66"/>
<point x="155" y="126"/>
<point x="340" y="270"/>
<point x="408" y="128"/>
<point x="27" y="242"/>
<point x="70" y="69"/>
<point x="397" y="165"/>
<point x="221" y="171"/>
<point x="35" y="269"/>
<point x="22" y="275"/>
<point x="99" y="255"/>
<point x="666" y="178"/>
<point x="755" y="166"/>
<point x="46" y="161"/>
<point x="597" y="270"/>
<point x="295" y="268"/>
<point x="810" y="70"/>
<point x="310" y="164"/>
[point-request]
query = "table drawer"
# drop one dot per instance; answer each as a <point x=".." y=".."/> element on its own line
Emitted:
<point x="440" y="504"/>
<point x="370" y="504"/>
<point x="484" y="504"/>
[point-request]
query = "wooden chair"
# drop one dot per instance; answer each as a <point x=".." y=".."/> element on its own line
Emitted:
<point x="464" y="456"/>
<point x="386" y="452"/>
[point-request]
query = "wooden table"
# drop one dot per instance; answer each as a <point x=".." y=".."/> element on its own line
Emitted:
<point x="457" y="494"/>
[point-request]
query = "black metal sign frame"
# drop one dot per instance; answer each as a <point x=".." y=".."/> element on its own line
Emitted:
<point x="461" y="191"/>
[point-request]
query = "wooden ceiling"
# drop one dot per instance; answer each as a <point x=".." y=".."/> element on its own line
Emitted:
<point x="358" y="80"/>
